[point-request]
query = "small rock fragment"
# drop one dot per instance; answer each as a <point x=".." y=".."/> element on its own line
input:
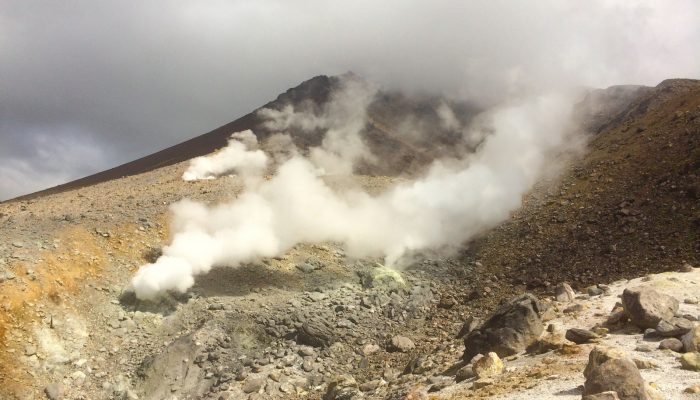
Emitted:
<point x="563" y="293"/>
<point x="401" y="343"/>
<point x="54" y="391"/>
<point x="580" y="336"/>
<point x="488" y="366"/>
<point x="690" y="361"/>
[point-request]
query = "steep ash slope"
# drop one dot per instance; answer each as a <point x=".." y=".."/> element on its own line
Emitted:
<point x="629" y="206"/>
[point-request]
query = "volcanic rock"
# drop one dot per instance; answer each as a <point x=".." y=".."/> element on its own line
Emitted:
<point x="54" y="391"/>
<point x="315" y="333"/>
<point x="691" y="340"/>
<point x="580" y="336"/>
<point x="609" y="395"/>
<point x="488" y="366"/>
<point x="672" y="344"/>
<point x="343" y="387"/>
<point x="646" y="307"/>
<point x="564" y="293"/>
<point x="690" y="361"/>
<point x="401" y="343"/>
<point x="612" y="370"/>
<point x="513" y="327"/>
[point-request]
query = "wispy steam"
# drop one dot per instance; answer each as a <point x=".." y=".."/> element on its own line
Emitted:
<point x="239" y="156"/>
<point x="450" y="204"/>
<point x="341" y="120"/>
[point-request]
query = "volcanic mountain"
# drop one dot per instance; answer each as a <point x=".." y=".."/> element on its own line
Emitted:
<point x="317" y="323"/>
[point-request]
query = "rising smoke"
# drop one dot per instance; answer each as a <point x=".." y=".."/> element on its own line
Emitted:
<point x="451" y="203"/>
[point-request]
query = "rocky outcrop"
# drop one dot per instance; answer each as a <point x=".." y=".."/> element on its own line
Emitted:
<point x="512" y="328"/>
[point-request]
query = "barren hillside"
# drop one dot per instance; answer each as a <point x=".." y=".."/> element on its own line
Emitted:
<point x="314" y="319"/>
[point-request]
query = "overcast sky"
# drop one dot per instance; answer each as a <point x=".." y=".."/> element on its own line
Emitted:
<point x="86" y="85"/>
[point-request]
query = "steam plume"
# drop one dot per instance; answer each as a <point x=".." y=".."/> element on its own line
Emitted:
<point x="451" y="203"/>
<point x="237" y="156"/>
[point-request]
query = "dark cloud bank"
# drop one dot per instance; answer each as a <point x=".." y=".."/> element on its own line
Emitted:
<point x="87" y="85"/>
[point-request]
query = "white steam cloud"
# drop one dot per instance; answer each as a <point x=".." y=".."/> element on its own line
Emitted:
<point x="450" y="204"/>
<point x="239" y="156"/>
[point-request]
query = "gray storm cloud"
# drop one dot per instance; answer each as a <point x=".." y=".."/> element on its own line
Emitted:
<point x="135" y="77"/>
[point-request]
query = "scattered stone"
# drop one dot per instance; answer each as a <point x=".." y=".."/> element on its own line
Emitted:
<point x="617" y="316"/>
<point x="573" y="309"/>
<point x="343" y="387"/>
<point x="609" y="395"/>
<point x="53" y="391"/>
<point x="674" y="327"/>
<point x="691" y="300"/>
<point x="482" y="383"/>
<point x="307" y="366"/>
<point x="550" y="342"/>
<point x="216" y="307"/>
<point x="401" y="343"/>
<point x="370" y="349"/>
<point x="690" y="361"/>
<point x="642" y="363"/>
<point x="580" y="336"/>
<point x="643" y="348"/>
<point x="611" y="370"/>
<point x="600" y="331"/>
<point x="253" y="385"/>
<point x="692" y="389"/>
<point x="306" y="351"/>
<point x="646" y="307"/>
<point x="512" y="328"/>
<point x="691" y="340"/>
<point x="29" y="350"/>
<point x="672" y="344"/>
<point x="488" y="366"/>
<point x="464" y="373"/>
<point x="687" y="268"/>
<point x="306" y="268"/>
<point x="594" y="291"/>
<point x="316" y="333"/>
<point x="370" y="386"/>
<point x="417" y="365"/>
<point x="563" y="293"/>
<point x="447" y="302"/>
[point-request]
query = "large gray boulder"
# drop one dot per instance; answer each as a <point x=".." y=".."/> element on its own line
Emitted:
<point x="513" y="327"/>
<point x="611" y="370"/>
<point x="646" y="307"/>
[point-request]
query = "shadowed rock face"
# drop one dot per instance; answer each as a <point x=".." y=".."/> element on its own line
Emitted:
<point x="512" y="328"/>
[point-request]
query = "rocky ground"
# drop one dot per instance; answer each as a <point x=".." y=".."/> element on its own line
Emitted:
<point x="316" y="323"/>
